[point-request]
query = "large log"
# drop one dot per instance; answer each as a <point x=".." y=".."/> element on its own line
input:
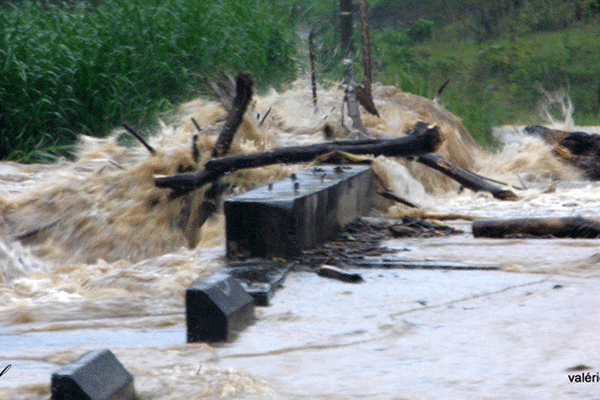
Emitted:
<point x="422" y="140"/>
<point x="466" y="178"/>
<point x="567" y="227"/>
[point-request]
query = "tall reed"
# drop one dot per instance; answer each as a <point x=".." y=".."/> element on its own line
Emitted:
<point x="82" y="68"/>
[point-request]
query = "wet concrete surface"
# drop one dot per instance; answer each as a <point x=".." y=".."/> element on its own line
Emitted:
<point x="430" y="334"/>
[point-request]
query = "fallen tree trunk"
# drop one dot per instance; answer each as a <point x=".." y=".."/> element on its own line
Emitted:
<point x="567" y="227"/>
<point x="466" y="178"/>
<point x="425" y="139"/>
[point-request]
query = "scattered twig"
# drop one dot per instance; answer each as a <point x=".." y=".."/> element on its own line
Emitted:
<point x="140" y="138"/>
<point x="262" y="121"/>
<point x="522" y="183"/>
<point x="32" y="232"/>
<point x="329" y="271"/>
<point x="436" y="98"/>
<point x="391" y="196"/>
<point x="115" y="164"/>
<point x="196" y="124"/>
<point x="195" y="150"/>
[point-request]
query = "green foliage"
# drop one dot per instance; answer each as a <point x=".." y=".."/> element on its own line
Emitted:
<point x="66" y="70"/>
<point x="498" y="82"/>
<point x="421" y="30"/>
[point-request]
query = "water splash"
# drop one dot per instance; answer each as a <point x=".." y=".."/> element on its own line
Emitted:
<point x="556" y="106"/>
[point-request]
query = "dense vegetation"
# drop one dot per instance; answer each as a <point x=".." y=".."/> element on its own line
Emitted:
<point x="86" y="67"/>
<point x="498" y="54"/>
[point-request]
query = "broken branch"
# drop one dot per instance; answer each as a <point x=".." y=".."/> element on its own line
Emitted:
<point x="234" y="118"/>
<point x="392" y="196"/>
<point x="464" y="177"/>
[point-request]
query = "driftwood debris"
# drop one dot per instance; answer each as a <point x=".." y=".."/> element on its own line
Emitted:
<point x="329" y="271"/>
<point x="212" y="197"/>
<point x="200" y="206"/>
<point x="394" y="197"/>
<point x="567" y="227"/>
<point x="420" y="142"/>
<point x="466" y="178"/>
<point x="234" y="118"/>
<point x="578" y="149"/>
<point x="140" y="139"/>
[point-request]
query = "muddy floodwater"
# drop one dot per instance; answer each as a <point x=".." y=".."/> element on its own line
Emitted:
<point x="93" y="256"/>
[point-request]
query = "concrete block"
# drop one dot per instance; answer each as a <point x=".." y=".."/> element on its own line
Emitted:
<point x="96" y="375"/>
<point x="260" y="278"/>
<point x="216" y="309"/>
<point x="284" y="218"/>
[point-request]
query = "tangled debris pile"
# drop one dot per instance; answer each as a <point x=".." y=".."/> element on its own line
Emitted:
<point x="363" y="237"/>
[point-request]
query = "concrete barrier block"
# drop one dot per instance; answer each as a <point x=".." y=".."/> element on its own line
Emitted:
<point x="96" y="375"/>
<point x="286" y="217"/>
<point x="216" y="309"/>
<point x="260" y="278"/>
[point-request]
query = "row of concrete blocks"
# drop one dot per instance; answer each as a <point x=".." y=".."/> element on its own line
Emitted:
<point x="278" y="220"/>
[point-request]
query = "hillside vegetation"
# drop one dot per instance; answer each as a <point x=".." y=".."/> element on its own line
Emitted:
<point x="86" y="67"/>
<point x="503" y="58"/>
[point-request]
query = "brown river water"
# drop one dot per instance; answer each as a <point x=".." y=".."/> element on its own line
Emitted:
<point x="93" y="256"/>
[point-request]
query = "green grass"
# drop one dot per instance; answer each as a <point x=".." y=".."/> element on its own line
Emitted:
<point x="68" y="70"/>
<point x="492" y="82"/>
<point x="82" y="69"/>
<point x="498" y="82"/>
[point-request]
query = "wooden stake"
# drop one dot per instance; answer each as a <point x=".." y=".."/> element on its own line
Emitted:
<point x="366" y="46"/>
<point x="313" y="74"/>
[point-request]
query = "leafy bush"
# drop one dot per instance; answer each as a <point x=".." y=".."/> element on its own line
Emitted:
<point x="421" y="30"/>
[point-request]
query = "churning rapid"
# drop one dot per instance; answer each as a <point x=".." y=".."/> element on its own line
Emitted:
<point x="93" y="244"/>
